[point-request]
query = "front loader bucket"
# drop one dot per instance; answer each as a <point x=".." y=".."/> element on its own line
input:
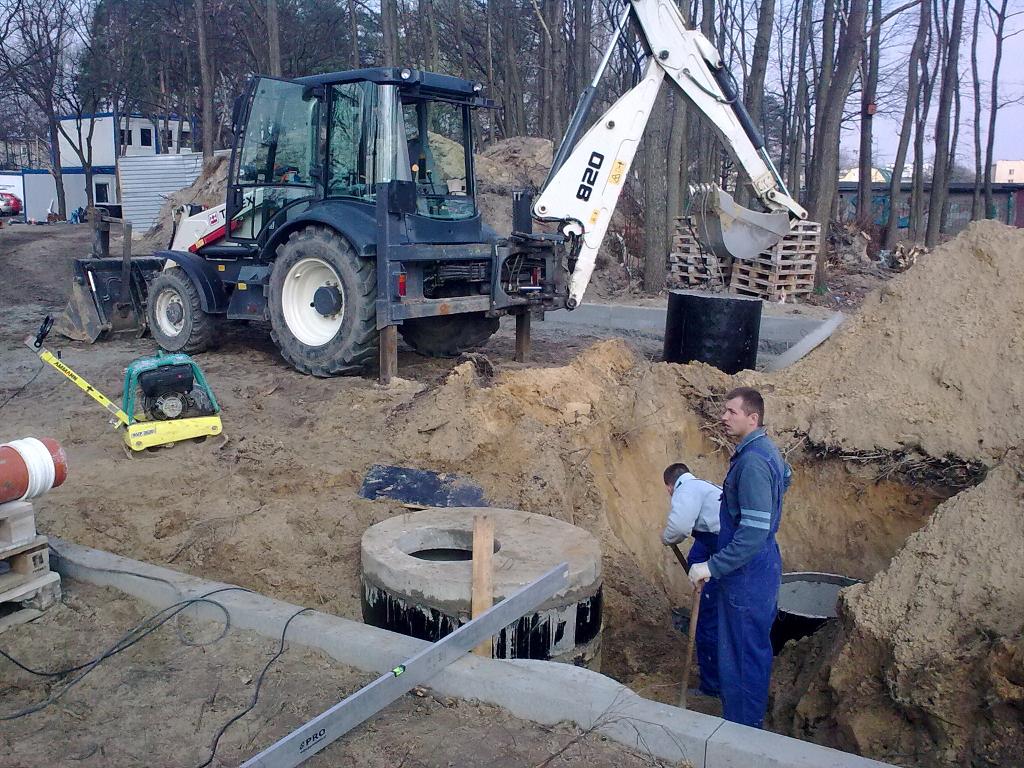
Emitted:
<point x="731" y="231"/>
<point x="98" y="306"/>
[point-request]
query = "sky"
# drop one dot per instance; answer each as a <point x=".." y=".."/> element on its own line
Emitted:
<point x="1008" y="143"/>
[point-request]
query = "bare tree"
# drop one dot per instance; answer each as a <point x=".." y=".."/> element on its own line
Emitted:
<point x="950" y="81"/>
<point x="206" y="75"/>
<point x="273" y="38"/>
<point x="869" y="80"/>
<point x="998" y="17"/>
<point x="918" y="58"/>
<point x="822" y="182"/>
<point x="34" y="57"/>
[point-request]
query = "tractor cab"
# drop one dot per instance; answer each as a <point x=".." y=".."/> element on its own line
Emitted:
<point x="338" y="136"/>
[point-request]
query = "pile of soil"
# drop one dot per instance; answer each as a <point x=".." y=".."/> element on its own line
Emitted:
<point x="933" y="363"/>
<point x="208" y="191"/>
<point x="927" y="667"/>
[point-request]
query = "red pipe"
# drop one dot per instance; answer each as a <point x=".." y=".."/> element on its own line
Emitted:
<point x="30" y="467"/>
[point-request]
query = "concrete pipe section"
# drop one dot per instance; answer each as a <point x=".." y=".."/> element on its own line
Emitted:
<point x="417" y="580"/>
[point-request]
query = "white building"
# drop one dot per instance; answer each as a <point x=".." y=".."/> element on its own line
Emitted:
<point x="1008" y="172"/>
<point x="112" y="137"/>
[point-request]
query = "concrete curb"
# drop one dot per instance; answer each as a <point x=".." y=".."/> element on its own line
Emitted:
<point x="540" y="691"/>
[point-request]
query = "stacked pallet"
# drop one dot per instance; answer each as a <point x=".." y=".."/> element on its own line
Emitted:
<point x="784" y="271"/>
<point x="689" y="265"/>
<point x="25" y="575"/>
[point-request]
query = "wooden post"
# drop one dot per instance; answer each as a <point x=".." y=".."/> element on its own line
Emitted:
<point x="483" y="588"/>
<point x="388" y="354"/>
<point x="522" y="336"/>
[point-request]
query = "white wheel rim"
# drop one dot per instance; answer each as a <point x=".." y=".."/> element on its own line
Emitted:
<point x="164" y="301"/>
<point x="300" y="285"/>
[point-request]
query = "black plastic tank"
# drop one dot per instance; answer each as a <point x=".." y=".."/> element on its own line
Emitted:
<point x="717" y="329"/>
<point x="807" y="601"/>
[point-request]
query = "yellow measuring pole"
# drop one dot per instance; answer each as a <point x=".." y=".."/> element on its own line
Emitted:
<point x="48" y="357"/>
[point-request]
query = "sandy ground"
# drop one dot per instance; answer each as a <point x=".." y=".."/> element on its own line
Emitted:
<point x="162" y="701"/>
<point x="581" y="433"/>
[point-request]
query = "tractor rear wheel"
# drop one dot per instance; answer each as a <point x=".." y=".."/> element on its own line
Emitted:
<point x="323" y="311"/>
<point x="175" y="314"/>
<point x="448" y="335"/>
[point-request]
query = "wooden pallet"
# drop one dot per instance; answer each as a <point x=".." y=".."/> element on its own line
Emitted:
<point x="25" y="575"/>
<point x="771" y="285"/>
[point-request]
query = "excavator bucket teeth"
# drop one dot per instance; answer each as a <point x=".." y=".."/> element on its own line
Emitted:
<point x="731" y="231"/>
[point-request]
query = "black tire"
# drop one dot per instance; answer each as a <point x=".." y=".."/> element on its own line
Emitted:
<point x="354" y="345"/>
<point x="195" y="331"/>
<point x="448" y="335"/>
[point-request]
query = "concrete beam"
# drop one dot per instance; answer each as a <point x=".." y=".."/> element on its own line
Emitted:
<point x="540" y="691"/>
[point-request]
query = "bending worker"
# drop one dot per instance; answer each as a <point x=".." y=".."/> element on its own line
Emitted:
<point x="748" y="565"/>
<point x="694" y="512"/>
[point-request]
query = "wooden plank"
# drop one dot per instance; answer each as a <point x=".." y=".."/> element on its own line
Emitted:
<point x="32" y="543"/>
<point x="483" y="586"/>
<point x="31" y="588"/>
<point x="522" y="336"/>
<point x="388" y="354"/>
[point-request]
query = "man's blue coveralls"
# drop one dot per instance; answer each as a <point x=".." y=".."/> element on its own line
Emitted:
<point x="695" y="511"/>
<point x="748" y="568"/>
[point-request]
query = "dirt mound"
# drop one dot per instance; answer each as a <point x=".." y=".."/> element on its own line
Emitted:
<point x="928" y="666"/>
<point x="208" y="190"/>
<point x="933" y="363"/>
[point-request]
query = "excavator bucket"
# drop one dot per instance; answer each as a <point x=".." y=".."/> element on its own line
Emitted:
<point x="731" y="231"/>
<point x="99" y="304"/>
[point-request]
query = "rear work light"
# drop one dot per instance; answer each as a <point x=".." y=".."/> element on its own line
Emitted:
<point x="400" y="281"/>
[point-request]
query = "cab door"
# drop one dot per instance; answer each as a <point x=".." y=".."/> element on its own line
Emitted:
<point x="275" y="160"/>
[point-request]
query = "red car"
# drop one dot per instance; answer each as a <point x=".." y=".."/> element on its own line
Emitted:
<point x="10" y="204"/>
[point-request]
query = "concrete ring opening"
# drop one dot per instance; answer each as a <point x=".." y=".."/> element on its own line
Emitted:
<point x="439" y="544"/>
<point x="417" y="580"/>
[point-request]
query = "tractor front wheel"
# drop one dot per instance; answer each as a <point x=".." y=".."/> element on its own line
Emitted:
<point x="175" y="314"/>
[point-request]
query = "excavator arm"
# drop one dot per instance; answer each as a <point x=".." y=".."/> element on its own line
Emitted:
<point x="588" y="171"/>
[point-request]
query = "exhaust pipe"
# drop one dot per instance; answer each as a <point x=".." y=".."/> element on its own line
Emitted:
<point x="731" y="231"/>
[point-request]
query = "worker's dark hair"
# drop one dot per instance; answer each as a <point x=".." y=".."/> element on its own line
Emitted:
<point x="752" y="401"/>
<point x="674" y="471"/>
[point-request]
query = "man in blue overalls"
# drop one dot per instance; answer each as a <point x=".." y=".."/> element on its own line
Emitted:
<point x="694" y="511"/>
<point x="748" y="565"/>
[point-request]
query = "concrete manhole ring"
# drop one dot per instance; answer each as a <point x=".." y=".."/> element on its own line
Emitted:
<point x="417" y="580"/>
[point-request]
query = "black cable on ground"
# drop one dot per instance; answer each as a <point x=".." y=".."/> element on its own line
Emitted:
<point x="255" y="694"/>
<point x="126" y="641"/>
<point x="22" y="387"/>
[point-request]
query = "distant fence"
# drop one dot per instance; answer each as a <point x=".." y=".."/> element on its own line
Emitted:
<point x="1008" y="205"/>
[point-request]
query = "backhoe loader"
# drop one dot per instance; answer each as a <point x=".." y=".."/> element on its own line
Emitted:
<point x="350" y="211"/>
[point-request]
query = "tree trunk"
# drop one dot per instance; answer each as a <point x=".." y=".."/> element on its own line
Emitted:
<point x="55" y="170"/>
<point x="389" y="33"/>
<point x="800" y="105"/>
<point x="951" y="162"/>
<point x="979" y="172"/>
<point x="994" y="108"/>
<point x="917" y="54"/>
<point x="206" y="76"/>
<point x="940" y="176"/>
<point x="822" y="185"/>
<point x="707" y="157"/>
<point x="656" y="233"/>
<point x="274" y="38"/>
<point x="428" y="22"/>
<point x="353" y="23"/>
<point x="754" y="85"/>
<point x="867" y="109"/>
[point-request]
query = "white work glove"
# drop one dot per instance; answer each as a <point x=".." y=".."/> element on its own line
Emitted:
<point x="699" y="573"/>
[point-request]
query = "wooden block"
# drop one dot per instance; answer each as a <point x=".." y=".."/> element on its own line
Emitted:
<point x="39" y="592"/>
<point x="483" y="588"/>
<point x="17" y="523"/>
